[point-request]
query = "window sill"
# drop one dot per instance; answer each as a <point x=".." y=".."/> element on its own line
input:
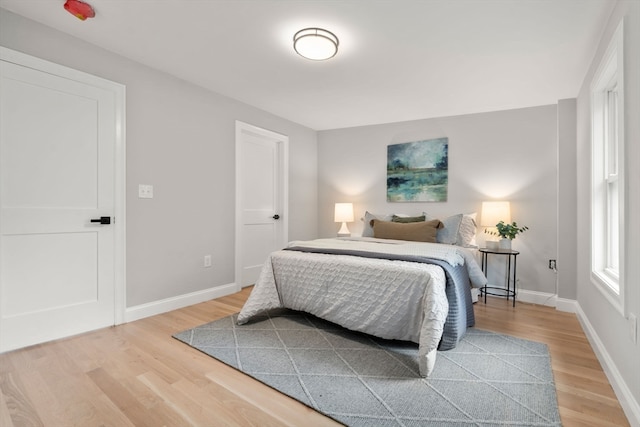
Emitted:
<point x="604" y="285"/>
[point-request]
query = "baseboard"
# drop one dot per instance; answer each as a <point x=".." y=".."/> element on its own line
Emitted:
<point x="162" y="306"/>
<point x="630" y="406"/>
<point x="550" y="300"/>
<point x="567" y="305"/>
<point x="535" y="297"/>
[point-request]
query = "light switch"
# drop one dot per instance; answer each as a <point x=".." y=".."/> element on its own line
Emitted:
<point x="145" y="191"/>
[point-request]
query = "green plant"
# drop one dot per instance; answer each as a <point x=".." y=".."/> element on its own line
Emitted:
<point x="507" y="231"/>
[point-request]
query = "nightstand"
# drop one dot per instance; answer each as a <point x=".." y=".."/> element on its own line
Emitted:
<point x="507" y="292"/>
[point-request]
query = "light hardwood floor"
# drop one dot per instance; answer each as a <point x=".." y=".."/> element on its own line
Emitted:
<point x="137" y="375"/>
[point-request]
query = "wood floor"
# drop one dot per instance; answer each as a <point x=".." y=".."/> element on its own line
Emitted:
<point x="137" y="375"/>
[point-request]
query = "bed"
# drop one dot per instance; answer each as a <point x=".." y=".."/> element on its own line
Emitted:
<point x="394" y="289"/>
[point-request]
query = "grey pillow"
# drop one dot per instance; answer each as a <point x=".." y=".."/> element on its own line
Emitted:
<point x="448" y="234"/>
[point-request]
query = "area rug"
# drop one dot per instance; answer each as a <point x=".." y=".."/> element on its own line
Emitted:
<point x="489" y="379"/>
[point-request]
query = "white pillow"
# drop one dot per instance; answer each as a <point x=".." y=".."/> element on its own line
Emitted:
<point x="458" y="230"/>
<point x="367" y="231"/>
<point x="467" y="231"/>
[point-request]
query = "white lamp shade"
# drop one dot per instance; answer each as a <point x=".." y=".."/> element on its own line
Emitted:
<point x="343" y="212"/>
<point x="494" y="212"/>
<point x="315" y="43"/>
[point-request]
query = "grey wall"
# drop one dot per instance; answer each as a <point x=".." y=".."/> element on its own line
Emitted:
<point x="508" y="155"/>
<point x="611" y="327"/>
<point x="567" y="199"/>
<point x="180" y="139"/>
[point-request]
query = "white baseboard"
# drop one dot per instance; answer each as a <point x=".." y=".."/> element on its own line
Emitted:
<point x="162" y="306"/>
<point x="550" y="300"/>
<point x="567" y="305"/>
<point x="535" y="297"/>
<point x="630" y="406"/>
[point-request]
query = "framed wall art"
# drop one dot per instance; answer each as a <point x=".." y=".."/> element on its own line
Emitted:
<point x="418" y="171"/>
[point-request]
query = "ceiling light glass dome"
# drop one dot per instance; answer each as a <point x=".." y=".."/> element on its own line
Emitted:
<point x="315" y="44"/>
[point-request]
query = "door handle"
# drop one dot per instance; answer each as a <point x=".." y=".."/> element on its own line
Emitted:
<point x="105" y="220"/>
<point x="276" y="216"/>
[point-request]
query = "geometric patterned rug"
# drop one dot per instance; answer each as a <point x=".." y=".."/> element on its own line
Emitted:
<point x="489" y="379"/>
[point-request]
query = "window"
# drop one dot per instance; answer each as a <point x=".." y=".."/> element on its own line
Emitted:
<point x="607" y="172"/>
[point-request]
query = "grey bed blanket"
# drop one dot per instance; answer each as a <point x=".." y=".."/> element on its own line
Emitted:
<point x="460" y="315"/>
<point x="458" y="289"/>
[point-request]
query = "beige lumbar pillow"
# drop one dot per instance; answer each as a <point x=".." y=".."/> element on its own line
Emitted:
<point x="423" y="231"/>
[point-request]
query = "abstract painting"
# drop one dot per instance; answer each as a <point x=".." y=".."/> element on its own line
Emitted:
<point x="418" y="171"/>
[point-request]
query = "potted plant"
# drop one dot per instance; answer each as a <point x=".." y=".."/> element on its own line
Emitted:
<point x="507" y="233"/>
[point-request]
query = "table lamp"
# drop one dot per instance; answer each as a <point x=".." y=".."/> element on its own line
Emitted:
<point x="344" y="214"/>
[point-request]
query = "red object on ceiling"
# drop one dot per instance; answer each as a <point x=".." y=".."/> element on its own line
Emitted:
<point x="79" y="9"/>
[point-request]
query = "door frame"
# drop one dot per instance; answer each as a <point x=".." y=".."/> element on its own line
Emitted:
<point x="283" y="187"/>
<point x="119" y="216"/>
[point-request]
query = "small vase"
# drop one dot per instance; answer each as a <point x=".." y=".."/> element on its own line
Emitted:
<point x="505" y="244"/>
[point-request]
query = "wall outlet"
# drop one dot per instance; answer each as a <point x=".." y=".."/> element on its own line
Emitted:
<point x="207" y="261"/>
<point x="552" y="264"/>
<point x="633" y="328"/>
<point x="145" y="191"/>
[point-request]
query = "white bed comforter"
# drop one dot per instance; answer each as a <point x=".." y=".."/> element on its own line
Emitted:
<point x="454" y="255"/>
<point x="389" y="299"/>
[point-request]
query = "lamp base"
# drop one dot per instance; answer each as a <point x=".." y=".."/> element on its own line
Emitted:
<point x="344" y="231"/>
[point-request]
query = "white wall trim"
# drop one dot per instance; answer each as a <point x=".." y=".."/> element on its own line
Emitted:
<point x="162" y="306"/>
<point x="119" y="214"/>
<point x="535" y="297"/>
<point x="629" y="405"/>
<point x="550" y="300"/>
<point x="567" y="305"/>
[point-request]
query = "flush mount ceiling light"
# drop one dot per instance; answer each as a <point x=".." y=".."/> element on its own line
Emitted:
<point x="315" y="44"/>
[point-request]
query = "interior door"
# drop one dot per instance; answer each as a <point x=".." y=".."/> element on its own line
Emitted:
<point x="57" y="203"/>
<point x="261" y="198"/>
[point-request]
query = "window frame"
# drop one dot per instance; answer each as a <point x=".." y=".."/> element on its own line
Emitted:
<point x="607" y="174"/>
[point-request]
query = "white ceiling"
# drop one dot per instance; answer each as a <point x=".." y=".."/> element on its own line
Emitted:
<point x="398" y="60"/>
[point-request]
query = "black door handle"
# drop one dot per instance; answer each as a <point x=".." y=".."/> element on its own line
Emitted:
<point x="276" y="216"/>
<point x="105" y="220"/>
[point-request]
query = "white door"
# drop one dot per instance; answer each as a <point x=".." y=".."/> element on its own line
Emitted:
<point x="261" y="198"/>
<point x="58" y="157"/>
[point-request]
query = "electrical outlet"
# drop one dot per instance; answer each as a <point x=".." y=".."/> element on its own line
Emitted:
<point x="207" y="261"/>
<point x="145" y="191"/>
<point x="552" y="264"/>
<point x="633" y="328"/>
